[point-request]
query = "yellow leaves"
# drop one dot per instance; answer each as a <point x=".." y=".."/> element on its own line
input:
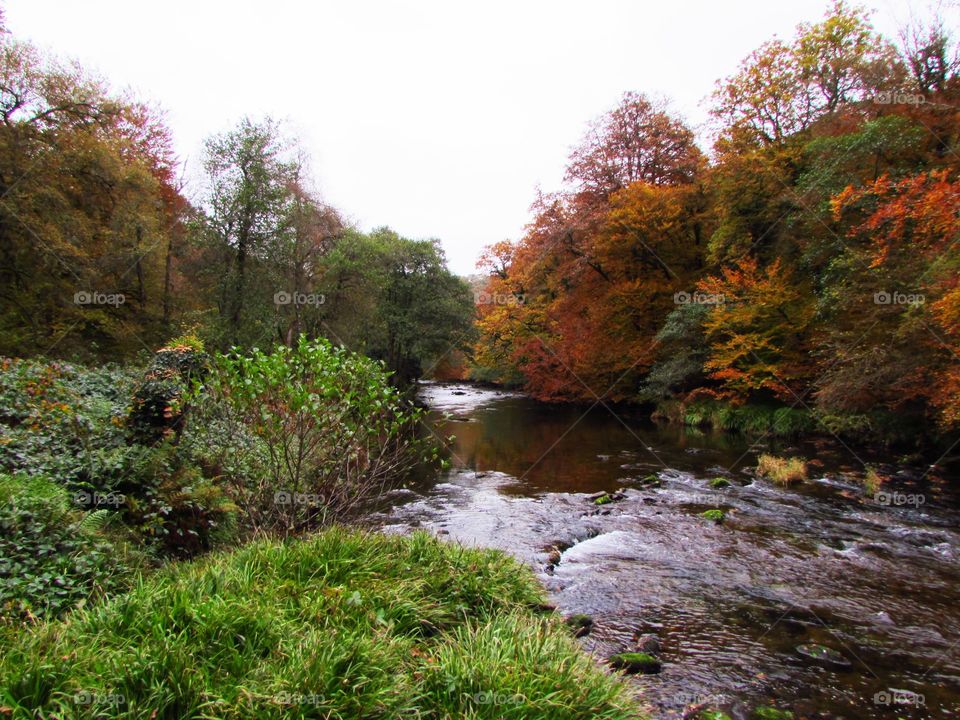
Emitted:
<point x="753" y="329"/>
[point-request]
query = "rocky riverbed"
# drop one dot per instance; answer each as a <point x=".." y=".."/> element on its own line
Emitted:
<point x="821" y="600"/>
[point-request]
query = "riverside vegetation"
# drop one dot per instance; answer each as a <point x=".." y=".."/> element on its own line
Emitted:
<point x="113" y="481"/>
<point x="802" y="278"/>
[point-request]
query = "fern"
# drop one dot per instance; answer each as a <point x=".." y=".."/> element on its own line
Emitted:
<point x="94" y="522"/>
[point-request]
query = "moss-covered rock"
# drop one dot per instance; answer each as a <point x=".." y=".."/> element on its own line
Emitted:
<point x="635" y="662"/>
<point x="767" y="712"/>
<point x="580" y="624"/>
<point x="715" y="514"/>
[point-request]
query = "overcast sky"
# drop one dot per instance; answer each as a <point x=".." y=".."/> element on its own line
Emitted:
<point x="436" y="118"/>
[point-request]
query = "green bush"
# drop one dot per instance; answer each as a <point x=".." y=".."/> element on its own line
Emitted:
<point x="746" y="419"/>
<point x="69" y="424"/>
<point x="334" y="433"/>
<point x="158" y="409"/>
<point x="341" y="625"/>
<point x="53" y="557"/>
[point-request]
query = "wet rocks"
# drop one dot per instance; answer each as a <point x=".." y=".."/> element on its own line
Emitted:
<point x="604" y="498"/>
<point x="650" y="481"/>
<point x="647" y="643"/>
<point x="633" y="663"/>
<point x="823" y="656"/>
<point x="580" y="624"/>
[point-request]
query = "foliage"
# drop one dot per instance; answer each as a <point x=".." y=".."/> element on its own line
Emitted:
<point x="783" y="471"/>
<point x="68" y="422"/>
<point x="809" y="272"/>
<point x="158" y="409"/>
<point x="340" y="625"/>
<point x="336" y="434"/>
<point x="53" y="556"/>
<point x="62" y="420"/>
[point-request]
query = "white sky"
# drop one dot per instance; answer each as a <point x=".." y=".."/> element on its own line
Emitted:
<point x="437" y="118"/>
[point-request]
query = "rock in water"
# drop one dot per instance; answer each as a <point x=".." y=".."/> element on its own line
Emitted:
<point x="823" y="656"/>
<point x="635" y="662"/>
<point x="580" y="624"/>
<point x="648" y="643"/>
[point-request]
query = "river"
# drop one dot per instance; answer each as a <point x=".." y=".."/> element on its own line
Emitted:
<point x="876" y="579"/>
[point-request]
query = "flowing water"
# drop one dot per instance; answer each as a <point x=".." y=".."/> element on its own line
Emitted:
<point x="874" y="578"/>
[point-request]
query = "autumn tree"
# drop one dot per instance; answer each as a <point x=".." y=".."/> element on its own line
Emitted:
<point x="85" y="211"/>
<point x="755" y="330"/>
<point x="637" y="141"/>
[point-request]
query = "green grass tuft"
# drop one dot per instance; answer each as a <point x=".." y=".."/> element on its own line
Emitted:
<point x="343" y="625"/>
<point x="715" y="514"/>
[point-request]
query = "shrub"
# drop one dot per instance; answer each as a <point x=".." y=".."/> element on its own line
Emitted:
<point x="335" y="433"/>
<point x="66" y="423"/>
<point x="872" y="480"/>
<point x="53" y="557"/>
<point x="783" y="471"/>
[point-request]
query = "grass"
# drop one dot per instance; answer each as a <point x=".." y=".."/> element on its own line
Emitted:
<point x="343" y="625"/>
<point x="872" y="481"/>
<point x="783" y="471"/>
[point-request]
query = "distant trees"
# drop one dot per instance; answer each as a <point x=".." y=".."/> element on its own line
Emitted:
<point x="85" y="198"/>
<point x="103" y="255"/>
<point x="813" y="263"/>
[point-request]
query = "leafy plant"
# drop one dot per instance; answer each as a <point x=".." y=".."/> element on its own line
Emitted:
<point x="53" y="557"/>
<point x="335" y="433"/>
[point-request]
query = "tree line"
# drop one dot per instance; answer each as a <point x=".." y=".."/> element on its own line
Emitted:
<point x="808" y="261"/>
<point x="106" y="251"/>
